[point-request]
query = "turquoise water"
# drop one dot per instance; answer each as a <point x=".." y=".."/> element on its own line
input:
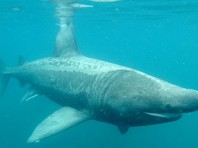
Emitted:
<point x="158" y="37"/>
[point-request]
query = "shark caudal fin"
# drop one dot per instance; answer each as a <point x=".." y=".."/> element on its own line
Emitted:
<point x="3" y="78"/>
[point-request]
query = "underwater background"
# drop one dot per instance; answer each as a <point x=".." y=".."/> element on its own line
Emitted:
<point x="158" y="37"/>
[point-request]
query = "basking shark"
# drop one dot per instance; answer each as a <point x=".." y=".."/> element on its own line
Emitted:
<point x="91" y="89"/>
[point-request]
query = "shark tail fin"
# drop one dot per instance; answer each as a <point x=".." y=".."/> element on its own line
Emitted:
<point x="3" y="78"/>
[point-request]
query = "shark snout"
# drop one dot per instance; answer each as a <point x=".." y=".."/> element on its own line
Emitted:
<point x="188" y="101"/>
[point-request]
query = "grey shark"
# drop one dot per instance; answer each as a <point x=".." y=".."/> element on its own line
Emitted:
<point x="91" y="89"/>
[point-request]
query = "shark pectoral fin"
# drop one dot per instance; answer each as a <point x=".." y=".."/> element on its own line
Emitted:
<point x="31" y="93"/>
<point x="165" y="115"/>
<point x="60" y="120"/>
<point x="123" y="129"/>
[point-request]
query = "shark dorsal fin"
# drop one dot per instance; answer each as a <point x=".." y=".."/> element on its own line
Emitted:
<point x="21" y="61"/>
<point x="66" y="42"/>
